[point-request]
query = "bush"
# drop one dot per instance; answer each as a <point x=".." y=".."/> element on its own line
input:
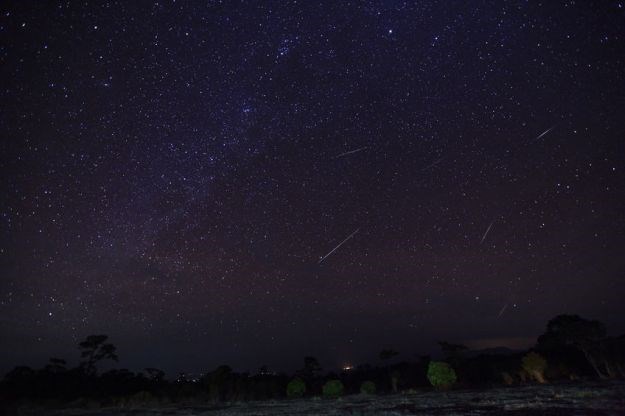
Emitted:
<point x="296" y="388"/>
<point x="507" y="378"/>
<point x="367" y="387"/>
<point x="441" y="375"/>
<point x="333" y="388"/>
<point x="535" y="365"/>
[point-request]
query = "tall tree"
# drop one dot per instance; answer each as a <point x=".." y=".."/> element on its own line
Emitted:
<point x="573" y="330"/>
<point x="311" y="366"/>
<point x="95" y="349"/>
<point x="386" y="355"/>
<point x="55" y="365"/>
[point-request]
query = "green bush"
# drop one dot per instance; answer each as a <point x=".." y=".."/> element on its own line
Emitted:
<point x="367" y="387"/>
<point x="441" y="375"/>
<point x="296" y="388"/>
<point x="333" y="388"/>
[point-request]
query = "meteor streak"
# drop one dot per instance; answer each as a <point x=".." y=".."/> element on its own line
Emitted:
<point x="351" y="152"/>
<point x="487" y="231"/>
<point x="544" y="133"/>
<point x="340" y="244"/>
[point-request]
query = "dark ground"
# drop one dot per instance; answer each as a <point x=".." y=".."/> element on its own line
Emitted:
<point x="557" y="399"/>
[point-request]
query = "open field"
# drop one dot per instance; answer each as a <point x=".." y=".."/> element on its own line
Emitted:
<point x="561" y="399"/>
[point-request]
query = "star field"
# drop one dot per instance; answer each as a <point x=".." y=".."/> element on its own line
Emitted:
<point x="174" y="172"/>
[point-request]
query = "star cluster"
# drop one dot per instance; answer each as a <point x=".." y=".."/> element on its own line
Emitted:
<point x="174" y="174"/>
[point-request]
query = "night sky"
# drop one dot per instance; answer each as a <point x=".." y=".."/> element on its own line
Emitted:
<point x="178" y="175"/>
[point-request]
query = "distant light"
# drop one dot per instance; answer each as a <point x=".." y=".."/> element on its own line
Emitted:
<point x="390" y="31"/>
<point x="348" y="367"/>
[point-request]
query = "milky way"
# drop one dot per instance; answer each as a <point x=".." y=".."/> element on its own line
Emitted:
<point x="173" y="172"/>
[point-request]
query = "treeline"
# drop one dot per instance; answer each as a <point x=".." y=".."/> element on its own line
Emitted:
<point x="571" y="348"/>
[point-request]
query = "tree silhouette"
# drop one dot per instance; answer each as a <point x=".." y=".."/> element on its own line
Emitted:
<point x="95" y="349"/>
<point x="20" y="374"/>
<point x="573" y="330"/>
<point x="311" y="367"/>
<point x="155" y="374"/>
<point x="219" y="382"/>
<point x="613" y="352"/>
<point x="387" y="354"/>
<point x="55" y="366"/>
<point x="394" y="375"/>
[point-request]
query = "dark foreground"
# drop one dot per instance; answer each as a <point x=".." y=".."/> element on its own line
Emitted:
<point x="568" y="399"/>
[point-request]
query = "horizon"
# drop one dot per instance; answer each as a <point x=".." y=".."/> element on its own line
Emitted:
<point x="328" y="363"/>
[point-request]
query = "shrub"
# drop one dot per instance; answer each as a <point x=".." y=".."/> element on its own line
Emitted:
<point x="367" y="387"/>
<point x="333" y="388"/>
<point x="296" y="388"/>
<point x="535" y="365"/>
<point x="441" y="375"/>
<point x="507" y="378"/>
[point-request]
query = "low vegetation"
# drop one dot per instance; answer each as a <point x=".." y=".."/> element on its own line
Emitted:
<point x="367" y="387"/>
<point x="535" y="365"/>
<point x="333" y="389"/>
<point x="441" y="375"/>
<point x="296" y="388"/>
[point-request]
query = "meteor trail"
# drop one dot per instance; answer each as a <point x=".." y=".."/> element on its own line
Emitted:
<point x="502" y="310"/>
<point x="340" y="244"/>
<point x="487" y="230"/>
<point x="351" y="151"/>
<point x="431" y="165"/>
<point x="544" y="133"/>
